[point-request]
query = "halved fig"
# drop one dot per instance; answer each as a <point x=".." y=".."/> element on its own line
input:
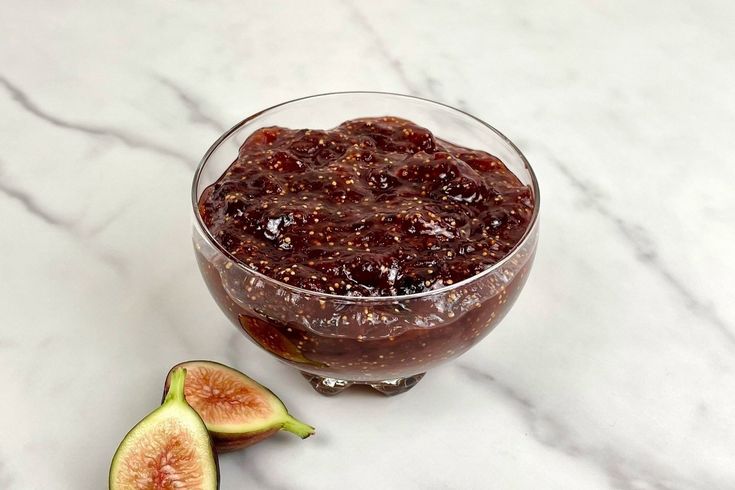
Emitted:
<point x="237" y="410"/>
<point x="168" y="449"/>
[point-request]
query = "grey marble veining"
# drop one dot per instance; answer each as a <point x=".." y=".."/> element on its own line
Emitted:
<point x="645" y="250"/>
<point x="29" y="203"/>
<point x="197" y="114"/>
<point x="96" y="131"/>
<point x="613" y="371"/>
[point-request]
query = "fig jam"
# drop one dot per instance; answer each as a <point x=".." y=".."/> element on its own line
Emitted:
<point x="376" y="207"/>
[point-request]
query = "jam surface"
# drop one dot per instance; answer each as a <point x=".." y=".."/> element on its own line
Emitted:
<point x="373" y="207"/>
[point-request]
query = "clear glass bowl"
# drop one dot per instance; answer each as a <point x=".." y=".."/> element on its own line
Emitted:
<point x="385" y="342"/>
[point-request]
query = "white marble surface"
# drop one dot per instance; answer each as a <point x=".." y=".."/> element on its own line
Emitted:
<point x="616" y="368"/>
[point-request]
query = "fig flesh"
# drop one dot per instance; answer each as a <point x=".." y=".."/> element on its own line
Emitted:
<point x="169" y="449"/>
<point x="237" y="410"/>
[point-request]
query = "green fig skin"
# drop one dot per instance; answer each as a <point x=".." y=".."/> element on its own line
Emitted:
<point x="235" y="438"/>
<point x="174" y="414"/>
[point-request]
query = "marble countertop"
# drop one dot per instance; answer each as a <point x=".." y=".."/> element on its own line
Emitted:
<point x="615" y="369"/>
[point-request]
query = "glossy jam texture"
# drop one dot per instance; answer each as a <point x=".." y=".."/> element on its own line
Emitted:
<point x="373" y="207"/>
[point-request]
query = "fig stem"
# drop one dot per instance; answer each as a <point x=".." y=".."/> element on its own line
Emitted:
<point x="176" y="390"/>
<point x="299" y="428"/>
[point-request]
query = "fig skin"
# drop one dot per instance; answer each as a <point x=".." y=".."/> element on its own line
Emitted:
<point x="228" y="444"/>
<point x="234" y="438"/>
<point x="175" y="421"/>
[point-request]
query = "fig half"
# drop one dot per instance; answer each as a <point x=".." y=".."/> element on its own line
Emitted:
<point x="168" y="449"/>
<point x="237" y="410"/>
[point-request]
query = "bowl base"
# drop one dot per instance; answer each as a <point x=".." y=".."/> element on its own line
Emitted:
<point x="389" y="387"/>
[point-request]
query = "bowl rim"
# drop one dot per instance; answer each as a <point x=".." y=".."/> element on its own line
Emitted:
<point x="204" y="231"/>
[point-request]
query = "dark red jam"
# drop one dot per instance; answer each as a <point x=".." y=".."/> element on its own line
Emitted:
<point x="376" y="207"/>
<point x="373" y="207"/>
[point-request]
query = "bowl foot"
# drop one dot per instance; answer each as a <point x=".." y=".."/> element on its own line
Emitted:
<point x="389" y="387"/>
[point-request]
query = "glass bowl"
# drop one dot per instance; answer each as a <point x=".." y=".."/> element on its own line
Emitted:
<point x="385" y="342"/>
